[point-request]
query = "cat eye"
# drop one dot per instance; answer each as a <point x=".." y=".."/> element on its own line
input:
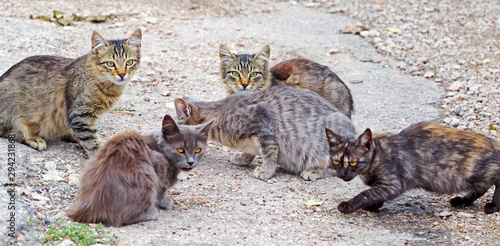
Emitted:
<point x="235" y="74"/>
<point x="110" y="64"/>
<point x="198" y="150"/>
<point x="353" y="163"/>
<point x="180" y="150"/>
<point x="253" y="74"/>
<point x="129" y="62"/>
<point x="336" y="162"/>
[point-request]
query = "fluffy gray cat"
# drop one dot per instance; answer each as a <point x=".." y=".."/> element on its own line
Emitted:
<point x="283" y="124"/>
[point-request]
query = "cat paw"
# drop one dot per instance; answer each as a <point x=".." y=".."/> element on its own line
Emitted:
<point x="490" y="208"/>
<point x="242" y="159"/>
<point x="165" y="203"/>
<point x="261" y="173"/>
<point x="345" y="207"/>
<point x="36" y="143"/>
<point x="311" y="175"/>
<point x="153" y="215"/>
<point x="459" y="201"/>
<point x="374" y="207"/>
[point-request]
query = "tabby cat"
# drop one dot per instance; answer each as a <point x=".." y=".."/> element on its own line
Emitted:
<point x="251" y="72"/>
<point x="425" y="155"/>
<point x="126" y="180"/>
<point x="283" y="124"/>
<point x="48" y="97"/>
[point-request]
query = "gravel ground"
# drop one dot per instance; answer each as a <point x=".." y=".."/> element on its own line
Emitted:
<point x="443" y="66"/>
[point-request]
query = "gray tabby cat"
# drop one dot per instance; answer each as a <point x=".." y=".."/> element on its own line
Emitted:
<point x="242" y="72"/>
<point x="49" y="97"/>
<point x="283" y="124"/>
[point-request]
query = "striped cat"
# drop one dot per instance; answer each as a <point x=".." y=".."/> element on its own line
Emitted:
<point x="49" y="97"/>
<point x="242" y="72"/>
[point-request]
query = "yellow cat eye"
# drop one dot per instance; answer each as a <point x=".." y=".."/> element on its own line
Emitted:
<point x="253" y="74"/>
<point x="110" y="64"/>
<point x="129" y="62"/>
<point x="353" y="163"/>
<point x="198" y="150"/>
<point x="235" y="74"/>
<point x="336" y="162"/>
<point x="180" y="150"/>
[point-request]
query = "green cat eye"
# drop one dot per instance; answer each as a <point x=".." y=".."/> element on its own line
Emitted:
<point x="129" y="62"/>
<point x="253" y="74"/>
<point x="235" y="74"/>
<point x="353" y="163"/>
<point x="336" y="162"/>
<point x="110" y="64"/>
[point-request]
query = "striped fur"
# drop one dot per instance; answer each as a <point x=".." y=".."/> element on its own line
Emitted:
<point x="301" y="73"/>
<point x="48" y="97"/>
<point x="425" y="155"/>
<point x="283" y="124"/>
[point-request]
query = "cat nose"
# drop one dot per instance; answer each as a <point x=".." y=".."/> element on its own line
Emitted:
<point x="244" y="86"/>
<point x="190" y="163"/>
<point x="121" y="75"/>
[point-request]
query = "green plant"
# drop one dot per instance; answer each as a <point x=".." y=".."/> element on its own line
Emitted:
<point x="80" y="234"/>
<point x="126" y="108"/>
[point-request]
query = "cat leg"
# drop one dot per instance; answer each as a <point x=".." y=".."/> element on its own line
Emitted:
<point x="165" y="203"/>
<point x="468" y="199"/>
<point x="85" y="132"/>
<point x="69" y="138"/>
<point x="374" y="207"/>
<point x="26" y="130"/>
<point x="153" y="214"/>
<point x="268" y="149"/>
<point x="494" y="205"/>
<point x="242" y="159"/>
<point x="370" y="198"/>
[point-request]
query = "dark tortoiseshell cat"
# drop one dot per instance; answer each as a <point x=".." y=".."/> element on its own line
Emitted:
<point x="425" y="155"/>
<point x="244" y="72"/>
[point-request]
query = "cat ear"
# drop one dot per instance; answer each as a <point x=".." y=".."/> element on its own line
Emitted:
<point x="365" y="140"/>
<point x="169" y="127"/>
<point x="333" y="138"/>
<point x="263" y="55"/>
<point x="205" y="129"/>
<point x="135" y="38"/>
<point x="225" y="55"/>
<point x="182" y="109"/>
<point x="98" y="43"/>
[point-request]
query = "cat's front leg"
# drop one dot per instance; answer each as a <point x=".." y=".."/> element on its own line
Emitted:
<point x="85" y="132"/>
<point x="165" y="203"/>
<point x="369" y="199"/>
<point x="242" y="159"/>
<point x="269" y="150"/>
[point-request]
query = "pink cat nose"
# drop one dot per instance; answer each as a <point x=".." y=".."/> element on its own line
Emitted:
<point x="244" y="85"/>
<point x="121" y="75"/>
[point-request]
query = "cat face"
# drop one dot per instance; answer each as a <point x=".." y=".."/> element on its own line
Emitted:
<point x="244" y="72"/>
<point x="117" y="60"/>
<point x="184" y="146"/>
<point x="350" y="158"/>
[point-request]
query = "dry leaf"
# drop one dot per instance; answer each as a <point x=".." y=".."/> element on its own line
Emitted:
<point x="199" y="199"/>
<point x="313" y="203"/>
<point x="394" y="30"/>
<point x="351" y="30"/>
<point x="492" y="127"/>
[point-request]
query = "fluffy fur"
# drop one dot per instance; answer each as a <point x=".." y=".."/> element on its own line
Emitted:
<point x="425" y="155"/>
<point x="48" y="97"/>
<point x="126" y="180"/>
<point x="283" y="124"/>
<point x="242" y="72"/>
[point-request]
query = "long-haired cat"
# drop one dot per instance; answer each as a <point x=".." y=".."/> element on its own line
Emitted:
<point x="48" y="97"/>
<point x="425" y="155"/>
<point x="242" y="72"/>
<point x="283" y="124"/>
<point x="126" y="180"/>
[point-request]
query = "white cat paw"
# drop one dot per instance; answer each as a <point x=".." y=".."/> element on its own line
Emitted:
<point x="241" y="159"/>
<point x="311" y="175"/>
<point x="36" y="143"/>
<point x="261" y="173"/>
<point x="166" y="203"/>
